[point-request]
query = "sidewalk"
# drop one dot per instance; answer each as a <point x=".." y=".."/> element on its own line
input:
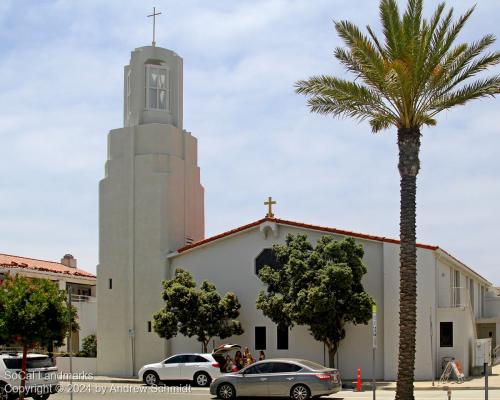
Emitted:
<point x="471" y="383"/>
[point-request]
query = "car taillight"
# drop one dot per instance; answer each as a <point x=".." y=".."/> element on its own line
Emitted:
<point x="323" y="377"/>
<point x="216" y="365"/>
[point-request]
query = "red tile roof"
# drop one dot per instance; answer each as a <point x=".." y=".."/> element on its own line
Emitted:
<point x="301" y="225"/>
<point x="10" y="261"/>
<point x="323" y="229"/>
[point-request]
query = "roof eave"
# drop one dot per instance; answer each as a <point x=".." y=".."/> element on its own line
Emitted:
<point x="443" y="253"/>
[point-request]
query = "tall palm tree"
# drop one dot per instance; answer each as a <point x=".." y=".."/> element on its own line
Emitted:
<point x="405" y="80"/>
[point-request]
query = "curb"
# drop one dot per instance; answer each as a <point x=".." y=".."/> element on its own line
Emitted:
<point x="103" y="381"/>
<point x="423" y="389"/>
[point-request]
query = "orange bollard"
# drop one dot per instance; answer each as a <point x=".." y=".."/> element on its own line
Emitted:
<point x="359" y="380"/>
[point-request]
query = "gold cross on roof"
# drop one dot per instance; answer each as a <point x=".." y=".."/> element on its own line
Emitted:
<point x="154" y="24"/>
<point x="270" y="203"/>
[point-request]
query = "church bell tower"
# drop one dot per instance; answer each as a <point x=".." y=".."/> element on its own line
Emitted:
<point x="151" y="202"/>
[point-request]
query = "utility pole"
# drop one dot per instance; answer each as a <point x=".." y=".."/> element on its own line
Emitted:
<point x="374" y="347"/>
<point x="70" y="344"/>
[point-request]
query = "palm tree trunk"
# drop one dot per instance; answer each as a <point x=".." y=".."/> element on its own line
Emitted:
<point x="409" y="165"/>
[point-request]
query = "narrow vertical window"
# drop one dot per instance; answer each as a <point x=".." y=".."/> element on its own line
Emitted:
<point x="282" y="336"/>
<point x="471" y="293"/>
<point x="260" y="338"/>
<point x="446" y="334"/>
<point x="149" y="326"/>
<point x="110" y="283"/>
<point x="129" y="94"/>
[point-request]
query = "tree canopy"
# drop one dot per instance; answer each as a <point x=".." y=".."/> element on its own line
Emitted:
<point x="319" y="287"/>
<point x="33" y="313"/>
<point x="200" y="312"/>
<point x="410" y="75"/>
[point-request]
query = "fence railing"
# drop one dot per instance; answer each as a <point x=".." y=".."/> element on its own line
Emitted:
<point x="78" y="298"/>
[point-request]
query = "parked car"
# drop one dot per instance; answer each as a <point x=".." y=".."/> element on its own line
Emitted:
<point x="200" y="368"/>
<point x="41" y="380"/>
<point x="281" y="377"/>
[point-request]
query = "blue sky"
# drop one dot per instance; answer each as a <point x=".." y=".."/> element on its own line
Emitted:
<point x="61" y="66"/>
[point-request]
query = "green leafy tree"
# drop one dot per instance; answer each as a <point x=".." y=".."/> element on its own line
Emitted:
<point x="33" y="313"/>
<point x="89" y="346"/>
<point x="319" y="287"/>
<point x="201" y="312"/>
<point x="404" y="80"/>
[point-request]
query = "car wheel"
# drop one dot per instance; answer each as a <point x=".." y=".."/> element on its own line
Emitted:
<point x="300" y="392"/>
<point x="226" y="391"/>
<point x="202" y="379"/>
<point x="151" y="378"/>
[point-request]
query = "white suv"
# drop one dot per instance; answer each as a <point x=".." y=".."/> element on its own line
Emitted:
<point x="41" y="377"/>
<point x="200" y="368"/>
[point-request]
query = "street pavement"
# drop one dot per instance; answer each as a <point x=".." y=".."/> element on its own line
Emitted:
<point x="118" y="391"/>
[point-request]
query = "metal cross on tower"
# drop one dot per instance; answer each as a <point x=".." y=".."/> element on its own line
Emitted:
<point x="270" y="203"/>
<point x="154" y="24"/>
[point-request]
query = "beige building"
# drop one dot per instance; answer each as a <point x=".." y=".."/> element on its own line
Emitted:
<point x="68" y="277"/>
<point x="150" y="203"/>
<point x="152" y="221"/>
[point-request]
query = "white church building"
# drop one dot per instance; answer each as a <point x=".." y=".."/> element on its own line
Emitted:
<point x="151" y="221"/>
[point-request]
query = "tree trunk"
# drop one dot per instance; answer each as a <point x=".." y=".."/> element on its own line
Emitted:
<point x="204" y="344"/>
<point x="409" y="165"/>
<point x="23" y="373"/>
<point x="332" y="350"/>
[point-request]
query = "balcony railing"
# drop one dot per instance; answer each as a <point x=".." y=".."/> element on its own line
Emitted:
<point x="78" y="298"/>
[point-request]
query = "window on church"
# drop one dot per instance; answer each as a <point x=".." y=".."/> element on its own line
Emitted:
<point x="149" y="326"/>
<point x="282" y="335"/>
<point x="260" y="338"/>
<point x="446" y="334"/>
<point x="157" y="88"/>
<point x="266" y="257"/>
<point x="110" y="283"/>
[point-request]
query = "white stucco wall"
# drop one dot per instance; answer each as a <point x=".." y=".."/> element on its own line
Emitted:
<point x="426" y="307"/>
<point x="87" y="318"/>
<point x="463" y="335"/>
<point x="230" y="265"/>
<point x="492" y="307"/>
<point x="80" y="365"/>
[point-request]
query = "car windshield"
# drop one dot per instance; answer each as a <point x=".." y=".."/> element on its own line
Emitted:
<point x="312" y="365"/>
<point x="31" y="362"/>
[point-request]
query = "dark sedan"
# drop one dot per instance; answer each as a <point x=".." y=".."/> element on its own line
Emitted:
<point x="283" y="377"/>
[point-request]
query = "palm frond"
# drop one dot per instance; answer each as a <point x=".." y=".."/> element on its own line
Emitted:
<point x="482" y="88"/>
<point x="412" y="20"/>
<point x="391" y="23"/>
<point x="379" y="47"/>
<point x="380" y="122"/>
<point x="360" y="45"/>
<point x="366" y="61"/>
<point x="467" y="65"/>
<point x="409" y="75"/>
<point x="428" y="29"/>
<point x="329" y="95"/>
